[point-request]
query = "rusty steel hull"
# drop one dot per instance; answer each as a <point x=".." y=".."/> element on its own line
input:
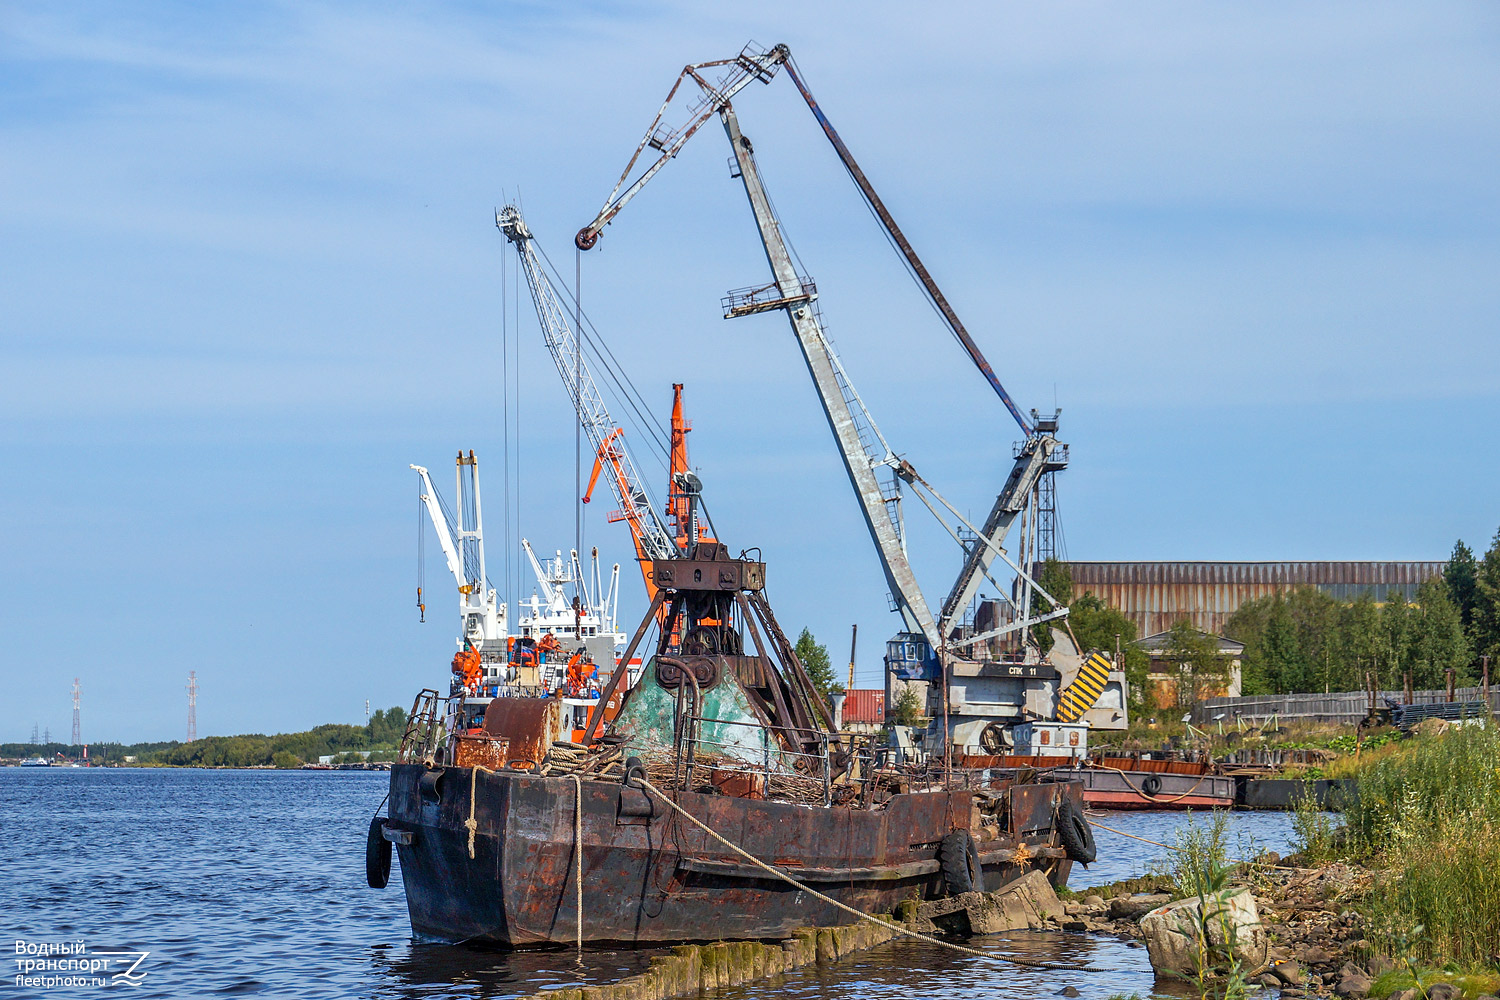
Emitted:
<point x="649" y="876"/>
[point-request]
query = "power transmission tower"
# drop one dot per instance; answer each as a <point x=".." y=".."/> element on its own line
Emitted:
<point x="192" y="690"/>
<point x="77" y="738"/>
<point x="34" y="737"/>
<point x="47" y="735"/>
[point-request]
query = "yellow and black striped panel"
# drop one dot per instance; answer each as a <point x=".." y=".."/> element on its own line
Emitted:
<point x="1078" y="697"/>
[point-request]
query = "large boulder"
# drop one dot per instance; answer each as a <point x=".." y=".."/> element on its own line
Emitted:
<point x="1180" y="941"/>
<point x="1028" y="902"/>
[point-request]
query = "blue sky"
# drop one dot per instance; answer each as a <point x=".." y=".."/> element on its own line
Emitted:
<point x="249" y="272"/>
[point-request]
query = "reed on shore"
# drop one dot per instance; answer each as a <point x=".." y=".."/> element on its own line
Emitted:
<point x="1427" y="819"/>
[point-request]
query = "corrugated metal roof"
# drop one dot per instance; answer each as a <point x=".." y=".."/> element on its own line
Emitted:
<point x="1156" y="595"/>
<point x="864" y="706"/>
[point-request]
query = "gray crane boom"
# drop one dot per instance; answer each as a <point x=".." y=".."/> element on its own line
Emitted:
<point x="567" y="352"/>
<point x="1040" y="454"/>
<point x="795" y="298"/>
<point x="852" y="427"/>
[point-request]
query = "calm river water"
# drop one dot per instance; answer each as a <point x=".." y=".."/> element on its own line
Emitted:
<point x="251" y="883"/>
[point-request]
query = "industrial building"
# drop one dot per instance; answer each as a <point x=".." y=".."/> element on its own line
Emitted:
<point x="1157" y="595"/>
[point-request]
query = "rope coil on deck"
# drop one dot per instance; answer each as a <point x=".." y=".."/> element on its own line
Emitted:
<point x="778" y="873"/>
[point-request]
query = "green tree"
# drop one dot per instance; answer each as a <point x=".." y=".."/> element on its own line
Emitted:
<point x="1462" y="578"/>
<point x="283" y="759"/>
<point x="1437" y="639"/>
<point x="1394" y="658"/>
<point x="1486" y="617"/>
<point x="1248" y="625"/>
<point x="1315" y="620"/>
<point x="1359" y="642"/>
<point x="814" y="658"/>
<point x="1057" y="580"/>
<point x="386" y="727"/>
<point x="1096" y="625"/>
<point x="1200" y="666"/>
<point x="907" y="709"/>
<point x="1281" y="653"/>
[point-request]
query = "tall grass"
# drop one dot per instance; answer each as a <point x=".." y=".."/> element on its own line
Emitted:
<point x="1312" y="828"/>
<point x="1200" y="856"/>
<point x="1429" y="816"/>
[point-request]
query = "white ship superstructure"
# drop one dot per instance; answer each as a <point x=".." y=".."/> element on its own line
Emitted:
<point x="566" y="640"/>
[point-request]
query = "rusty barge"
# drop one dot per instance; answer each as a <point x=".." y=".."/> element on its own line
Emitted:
<point x="507" y="839"/>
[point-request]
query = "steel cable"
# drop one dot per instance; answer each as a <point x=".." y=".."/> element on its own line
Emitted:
<point x="778" y="873"/>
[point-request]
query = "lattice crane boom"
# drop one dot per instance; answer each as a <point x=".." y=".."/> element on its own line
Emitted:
<point x="862" y="447"/>
<point x="652" y="538"/>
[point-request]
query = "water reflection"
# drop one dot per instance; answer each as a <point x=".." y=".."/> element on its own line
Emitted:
<point x="428" y="971"/>
<point x="1097" y="967"/>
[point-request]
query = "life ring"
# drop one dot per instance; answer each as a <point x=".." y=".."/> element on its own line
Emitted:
<point x="959" y="857"/>
<point x="1151" y="785"/>
<point x="1076" y="834"/>
<point x="377" y="855"/>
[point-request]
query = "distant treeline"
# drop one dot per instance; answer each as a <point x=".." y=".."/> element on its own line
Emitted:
<point x="1304" y="640"/>
<point x="382" y="733"/>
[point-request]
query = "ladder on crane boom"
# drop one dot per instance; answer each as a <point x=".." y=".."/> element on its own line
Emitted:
<point x="861" y="445"/>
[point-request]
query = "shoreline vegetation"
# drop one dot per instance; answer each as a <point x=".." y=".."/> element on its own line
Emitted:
<point x="374" y="742"/>
<point x="1400" y="901"/>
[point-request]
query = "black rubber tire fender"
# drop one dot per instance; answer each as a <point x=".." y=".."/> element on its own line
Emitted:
<point x="959" y="857"/>
<point x="1075" y="833"/>
<point x="377" y="855"/>
<point x="1151" y="785"/>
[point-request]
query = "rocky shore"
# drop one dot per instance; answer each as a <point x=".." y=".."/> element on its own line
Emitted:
<point x="1310" y="939"/>
<point x="1317" y="944"/>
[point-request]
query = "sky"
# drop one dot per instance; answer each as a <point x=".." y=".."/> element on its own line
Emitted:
<point x="249" y="272"/>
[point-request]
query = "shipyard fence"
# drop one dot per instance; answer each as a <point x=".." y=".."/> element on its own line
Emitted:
<point x="1340" y="706"/>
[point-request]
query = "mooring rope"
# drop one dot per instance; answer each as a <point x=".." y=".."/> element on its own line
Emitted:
<point x="578" y="864"/>
<point x="1174" y="847"/>
<point x="1155" y="798"/>
<point x="778" y="873"/>
<point x="470" y="823"/>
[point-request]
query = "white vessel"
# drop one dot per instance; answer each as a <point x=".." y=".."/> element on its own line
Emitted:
<point x="566" y="641"/>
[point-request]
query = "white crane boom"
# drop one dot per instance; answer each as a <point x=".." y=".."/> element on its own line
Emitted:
<point x="860" y="444"/>
<point x="484" y="619"/>
<point x="549" y="595"/>
<point x="440" y="525"/>
<point x="567" y="352"/>
<point x="862" y="447"/>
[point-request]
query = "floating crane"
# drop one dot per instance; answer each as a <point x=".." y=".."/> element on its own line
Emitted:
<point x="862" y="447"/>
